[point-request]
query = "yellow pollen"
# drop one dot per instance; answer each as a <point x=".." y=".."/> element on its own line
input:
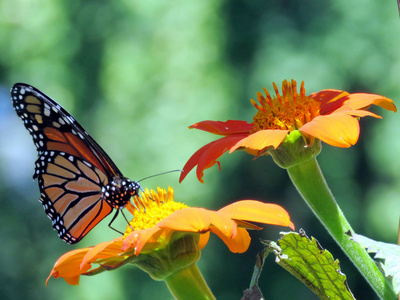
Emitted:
<point x="288" y="111"/>
<point x="151" y="208"/>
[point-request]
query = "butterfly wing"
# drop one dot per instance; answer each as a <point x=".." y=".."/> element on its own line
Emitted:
<point x="71" y="194"/>
<point x="72" y="169"/>
<point x="53" y="128"/>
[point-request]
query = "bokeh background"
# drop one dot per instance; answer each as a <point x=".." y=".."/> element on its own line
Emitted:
<point x="137" y="73"/>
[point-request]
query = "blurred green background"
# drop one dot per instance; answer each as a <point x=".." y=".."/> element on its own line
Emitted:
<point x="137" y="73"/>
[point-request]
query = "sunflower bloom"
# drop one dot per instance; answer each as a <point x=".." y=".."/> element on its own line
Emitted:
<point x="330" y="116"/>
<point x="165" y="237"/>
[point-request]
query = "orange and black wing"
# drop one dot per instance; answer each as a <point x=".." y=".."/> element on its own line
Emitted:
<point x="72" y="169"/>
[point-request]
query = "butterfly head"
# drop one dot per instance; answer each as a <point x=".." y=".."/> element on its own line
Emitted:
<point x="119" y="191"/>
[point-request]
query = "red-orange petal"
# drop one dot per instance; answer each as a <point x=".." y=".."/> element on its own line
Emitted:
<point x="224" y="128"/>
<point x="262" y="139"/>
<point x="207" y="155"/>
<point x="238" y="244"/>
<point x="330" y="100"/>
<point x="256" y="211"/>
<point x="339" y="129"/>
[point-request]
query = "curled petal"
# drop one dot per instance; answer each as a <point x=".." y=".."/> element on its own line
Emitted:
<point x="207" y="155"/>
<point x="238" y="244"/>
<point x="363" y="101"/>
<point x="224" y="223"/>
<point x="224" y="128"/>
<point x="256" y="211"/>
<point x="262" y="139"/>
<point x="102" y="251"/>
<point x="336" y="100"/>
<point x="203" y="240"/>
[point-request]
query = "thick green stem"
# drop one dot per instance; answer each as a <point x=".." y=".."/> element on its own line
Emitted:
<point x="310" y="183"/>
<point x="189" y="284"/>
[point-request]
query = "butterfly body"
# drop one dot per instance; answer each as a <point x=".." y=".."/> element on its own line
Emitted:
<point x="79" y="184"/>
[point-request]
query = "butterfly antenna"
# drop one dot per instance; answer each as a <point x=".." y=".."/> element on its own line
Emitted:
<point x="163" y="173"/>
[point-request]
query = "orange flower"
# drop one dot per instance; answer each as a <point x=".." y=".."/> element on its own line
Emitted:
<point x="166" y="236"/>
<point x="329" y="115"/>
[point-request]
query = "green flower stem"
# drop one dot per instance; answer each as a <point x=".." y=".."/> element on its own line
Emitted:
<point x="310" y="183"/>
<point x="189" y="284"/>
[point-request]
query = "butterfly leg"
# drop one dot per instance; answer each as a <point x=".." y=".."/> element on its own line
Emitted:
<point x="122" y="212"/>
<point x="113" y="219"/>
<point x="115" y="216"/>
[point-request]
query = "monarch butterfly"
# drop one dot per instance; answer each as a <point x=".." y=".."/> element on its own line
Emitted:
<point x="79" y="184"/>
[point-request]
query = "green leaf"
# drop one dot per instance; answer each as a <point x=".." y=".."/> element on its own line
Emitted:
<point x="388" y="256"/>
<point x="314" y="266"/>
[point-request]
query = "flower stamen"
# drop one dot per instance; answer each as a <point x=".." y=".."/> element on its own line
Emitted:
<point x="294" y="85"/>
<point x="286" y="112"/>
<point x="269" y="99"/>
<point x="150" y="208"/>
<point x="277" y="92"/>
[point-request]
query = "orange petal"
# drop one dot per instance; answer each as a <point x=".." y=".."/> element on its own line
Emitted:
<point x="262" y="139"/>
<point x="74" y="280"/>
<point x="336" y="100"/>
<point x="256" y="211"/>
<point x="224" y="128"/>
<point x="189" y="219"/>
<point x="207" y="155"/>
<point x="362" y="101"/>
<point x="203" y="239"/>
<point x="339" y="129"/>
<point x="135" y="242"/>
<point x="238" y="244"/>
<point x="102" y="251"/>
<point x="68" y="266"/>
<point x="224" y="223"/>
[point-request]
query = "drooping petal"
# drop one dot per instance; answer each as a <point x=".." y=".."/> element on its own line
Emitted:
<point x="207" y="155"/>
<point x="68" y="266"/>
<point x="203" y="239"/>
<point x="338" y="129"/>
<point x="224" y="128"/>
<point x="224" y="223"/>
<point x="72" y="280"/>
<point x="256" y="211"/>
<point x="239" y="244"/>
<point x="262" y="139"/>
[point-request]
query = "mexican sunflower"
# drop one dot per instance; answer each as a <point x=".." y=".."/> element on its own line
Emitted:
<point x="165" y="237"/>
<point x="330" y="116"/>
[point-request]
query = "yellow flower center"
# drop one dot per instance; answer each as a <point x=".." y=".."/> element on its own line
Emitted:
<point x="151" y="208"/>
<point x="288" y="111"/>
